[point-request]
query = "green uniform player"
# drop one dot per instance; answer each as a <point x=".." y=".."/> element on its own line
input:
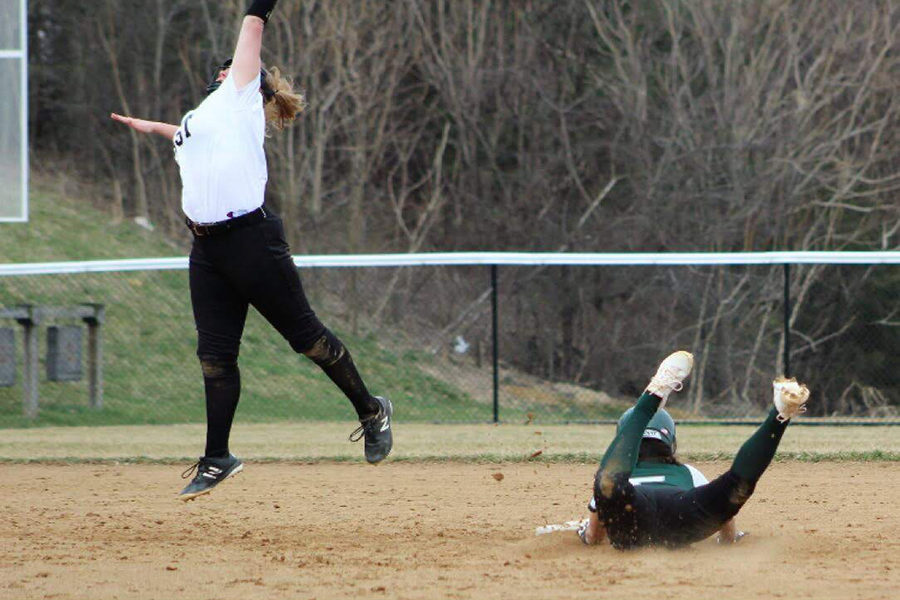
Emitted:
<point x="644" y="497"/>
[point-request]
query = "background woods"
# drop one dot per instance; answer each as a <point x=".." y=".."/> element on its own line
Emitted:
<point x="570" y="125"/>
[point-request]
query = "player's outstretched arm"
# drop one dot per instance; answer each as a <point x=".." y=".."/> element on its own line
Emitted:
<point x="166" y="130"/>
<point x="246" y="62"/>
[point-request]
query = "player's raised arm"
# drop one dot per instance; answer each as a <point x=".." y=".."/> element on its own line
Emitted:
<point x="247" y="64"/>
<point x="166" y="130"/>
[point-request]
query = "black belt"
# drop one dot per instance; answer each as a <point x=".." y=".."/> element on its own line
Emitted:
<point x="204" y="229"/>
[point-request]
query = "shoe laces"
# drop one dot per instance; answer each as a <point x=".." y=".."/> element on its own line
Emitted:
<point x="190" y="470"/>
<point x="790" y="407"/>
<point x="200" y="466"/>
<point x="364" y="426"/>
<point x="789" y="412"/>
<point x="670" y="379"/>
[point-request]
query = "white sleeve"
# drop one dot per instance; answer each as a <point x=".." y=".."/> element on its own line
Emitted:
<point x="248" y="97"/>
<point x="697" y="476"/>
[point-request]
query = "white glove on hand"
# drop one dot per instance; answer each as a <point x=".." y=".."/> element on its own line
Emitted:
<point x="582" y="532"/>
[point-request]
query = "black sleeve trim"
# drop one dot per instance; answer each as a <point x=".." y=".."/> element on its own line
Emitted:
<point x="261" y="9"/>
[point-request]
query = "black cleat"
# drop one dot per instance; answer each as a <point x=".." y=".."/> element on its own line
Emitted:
<point x="377" y="431"/>
<point x="210" y="472"/>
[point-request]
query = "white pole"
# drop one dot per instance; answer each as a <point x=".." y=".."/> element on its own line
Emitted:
<point x="23" y="31"/>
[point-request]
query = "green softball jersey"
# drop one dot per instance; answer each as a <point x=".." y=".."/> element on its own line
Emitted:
<point x="649" y="474"/>
<point x="654" y="474"/>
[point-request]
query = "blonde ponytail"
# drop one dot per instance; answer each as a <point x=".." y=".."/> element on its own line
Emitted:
<point x="286" y="104"/>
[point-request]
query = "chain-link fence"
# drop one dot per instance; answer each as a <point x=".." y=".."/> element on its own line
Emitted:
<point x="478" y="342"/>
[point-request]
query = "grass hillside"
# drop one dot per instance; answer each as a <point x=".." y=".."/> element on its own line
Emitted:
<point x="151" y="374"/>
<point x="62" y="228"/>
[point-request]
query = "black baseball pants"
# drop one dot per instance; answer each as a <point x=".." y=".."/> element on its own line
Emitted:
<point x="247" y="266"/>
<point x="252" y="265"/>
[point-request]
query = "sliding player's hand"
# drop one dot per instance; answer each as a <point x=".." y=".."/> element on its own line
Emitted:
<point x="725" y="541"/>
<point x="591" y="531"/>
<point x="582" y="532"/>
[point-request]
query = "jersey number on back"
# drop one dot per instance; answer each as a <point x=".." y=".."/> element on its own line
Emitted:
<point x="179" y="138"/>
<point x="647" y="479"/>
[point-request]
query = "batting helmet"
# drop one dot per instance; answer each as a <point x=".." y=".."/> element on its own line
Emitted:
<point x="264" y="86"/>
<point x="661" y="427"/>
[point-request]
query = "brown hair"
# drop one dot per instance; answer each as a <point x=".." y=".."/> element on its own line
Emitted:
<point x="286" y="104"/>
<point x="652" y="450"/>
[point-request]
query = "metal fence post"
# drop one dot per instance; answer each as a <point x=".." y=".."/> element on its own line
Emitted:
<point x="787" y="320"/>
<point x="29" y="323"/>
<point x="495" y="343"/>
<point x="95" y="354"/>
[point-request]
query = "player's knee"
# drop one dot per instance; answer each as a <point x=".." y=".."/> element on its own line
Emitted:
<point x="741" y="491"/>
<point x="607" y="485"/>
<point x="326" y="350"/>
<point x="217" y="367"/>
<point x="217" y="348"/>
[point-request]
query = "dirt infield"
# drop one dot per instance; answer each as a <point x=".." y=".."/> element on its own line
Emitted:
<point x="425" y="530"/>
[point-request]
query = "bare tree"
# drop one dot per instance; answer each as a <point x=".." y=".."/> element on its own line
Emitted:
<point x="555" y="126"/>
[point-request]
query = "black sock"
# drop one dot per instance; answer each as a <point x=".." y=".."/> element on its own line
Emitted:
<point x="222" y="384"/>
<point x="757" y="452"/>
<point x="333" y="357"/>
<point x="344" y="374"/>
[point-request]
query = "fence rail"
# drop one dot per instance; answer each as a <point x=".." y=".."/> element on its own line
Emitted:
<point x="503" y="336"/>
<point x="482" y="258"/>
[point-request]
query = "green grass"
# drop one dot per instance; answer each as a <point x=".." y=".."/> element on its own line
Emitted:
<point x="327" y="441"/>
<point x="151" y="374"/>
<point x="60" y="228"/>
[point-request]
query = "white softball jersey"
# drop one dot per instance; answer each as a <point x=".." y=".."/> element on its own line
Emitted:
<point x="219" y="150"/>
